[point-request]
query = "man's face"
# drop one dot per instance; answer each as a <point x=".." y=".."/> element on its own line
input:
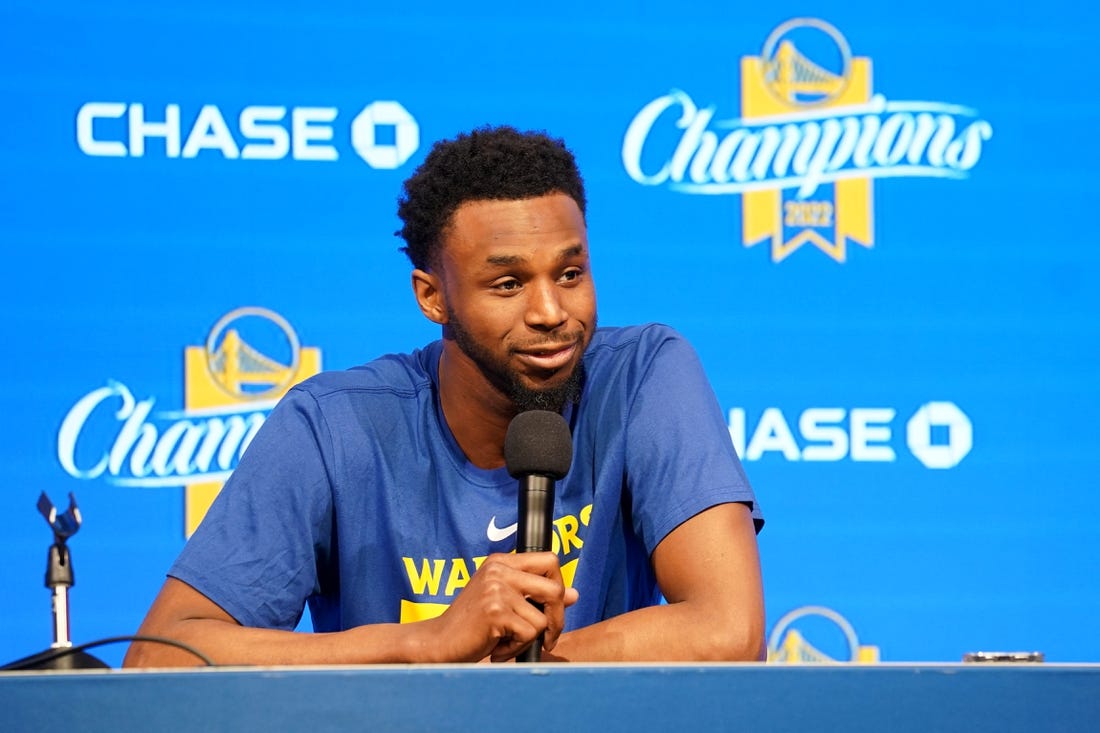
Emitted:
<point x="519" y="296"/>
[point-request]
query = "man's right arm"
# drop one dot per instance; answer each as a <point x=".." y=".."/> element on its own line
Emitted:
<point x="491" y="617"/>
<point x="182" y="613"/>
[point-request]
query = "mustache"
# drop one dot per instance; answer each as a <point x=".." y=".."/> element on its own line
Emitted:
<point x="557" y="341"/>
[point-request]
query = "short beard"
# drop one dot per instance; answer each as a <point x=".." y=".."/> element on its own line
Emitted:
<point x="553" y="399"/>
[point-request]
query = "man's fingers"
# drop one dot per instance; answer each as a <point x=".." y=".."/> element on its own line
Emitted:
<point x="533" y="575"/>
<point x="538" y="563"/>
<point x="555" y="618"/>
<point x="514" y="598"/>
<point x="539" y="579"/>
<point x="523" y="629"/>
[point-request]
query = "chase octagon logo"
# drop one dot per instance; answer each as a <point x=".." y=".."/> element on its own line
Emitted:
<point x="810" y="139"/>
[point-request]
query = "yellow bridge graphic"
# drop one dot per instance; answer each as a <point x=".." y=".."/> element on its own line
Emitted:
<point x="235" y="363"/>
<point x="787" y="645"/>
<point x="791" y="73"/>
<point x="216" y="373"/>
<point x="794" y="649"/>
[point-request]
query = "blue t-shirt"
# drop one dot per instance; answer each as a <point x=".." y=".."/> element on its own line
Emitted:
<point x="355" y="496"/>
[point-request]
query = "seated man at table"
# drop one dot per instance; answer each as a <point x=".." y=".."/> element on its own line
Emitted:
<point x="379" y="495"/>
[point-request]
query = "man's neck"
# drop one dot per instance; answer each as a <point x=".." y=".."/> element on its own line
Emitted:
<point x="477" y="412"/>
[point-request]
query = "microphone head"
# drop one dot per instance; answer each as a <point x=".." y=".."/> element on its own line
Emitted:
<point x="538" y="442"/>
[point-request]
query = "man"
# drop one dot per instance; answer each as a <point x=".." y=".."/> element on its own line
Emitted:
<point x="379" y="495"/>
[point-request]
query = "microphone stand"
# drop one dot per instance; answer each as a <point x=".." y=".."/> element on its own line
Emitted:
<point x="59" y="578"/>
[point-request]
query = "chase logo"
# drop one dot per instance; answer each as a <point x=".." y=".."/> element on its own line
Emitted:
<point x="383" y="133"/>
<point x="810" y="139"/>
<point x="938" y="434"/>
<point x="817" y="635"/>
<point x="251" y="358"/>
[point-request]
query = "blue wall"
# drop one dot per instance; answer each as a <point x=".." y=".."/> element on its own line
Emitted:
<point x="910" y="369"/>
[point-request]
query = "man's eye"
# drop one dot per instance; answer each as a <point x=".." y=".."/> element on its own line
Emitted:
<point x="571" y="275"/>
<point x="507" y="285"/>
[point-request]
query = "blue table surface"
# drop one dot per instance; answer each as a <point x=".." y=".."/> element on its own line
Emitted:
<point x="750" y="697"/>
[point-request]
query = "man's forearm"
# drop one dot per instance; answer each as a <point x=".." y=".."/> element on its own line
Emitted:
<point x="709" y="569"/>
<point x="227" y="643"/>
<point x="676" y="632"/>
<point x="492" y="615"/>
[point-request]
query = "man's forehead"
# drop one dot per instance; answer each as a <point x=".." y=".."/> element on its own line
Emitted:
<point x="494" y="208"/>
<point x="553" y="221"/>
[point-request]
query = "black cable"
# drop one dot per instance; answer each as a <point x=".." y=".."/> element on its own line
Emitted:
<point x="61" y="652"/>
<point x="152" y="639"/>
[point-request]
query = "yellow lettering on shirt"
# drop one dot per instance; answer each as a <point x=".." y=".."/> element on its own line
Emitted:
<point x="567" y="528"/>
<point x="426" y="575"/>
<point x="458" y="577"/>
<point x="427" y="578"/>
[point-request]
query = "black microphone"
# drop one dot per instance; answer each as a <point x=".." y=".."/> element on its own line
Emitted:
<point x="537" y="450"/>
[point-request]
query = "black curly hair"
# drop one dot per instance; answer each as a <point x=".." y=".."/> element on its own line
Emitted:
<point x="489" y="163"/>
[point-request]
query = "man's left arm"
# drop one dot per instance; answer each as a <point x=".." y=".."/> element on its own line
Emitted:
<point x="708" y="569"/>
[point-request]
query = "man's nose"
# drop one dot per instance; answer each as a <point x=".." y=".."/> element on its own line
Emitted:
<point x="545" y="309"/>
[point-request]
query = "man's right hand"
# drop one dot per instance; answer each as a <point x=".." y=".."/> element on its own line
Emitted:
<point x="493" y="615"/>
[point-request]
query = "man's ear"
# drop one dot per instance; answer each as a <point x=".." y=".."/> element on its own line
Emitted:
<point x="429" y="296"/>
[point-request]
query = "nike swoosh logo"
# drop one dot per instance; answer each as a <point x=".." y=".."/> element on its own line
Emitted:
<point x="496" y="534"/>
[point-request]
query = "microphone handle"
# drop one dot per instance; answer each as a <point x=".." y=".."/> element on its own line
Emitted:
<point x="533" y="534"/>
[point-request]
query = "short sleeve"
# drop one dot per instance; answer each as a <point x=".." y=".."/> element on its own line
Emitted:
<point x="257" y="552"/>
<point x="679" y="456"/>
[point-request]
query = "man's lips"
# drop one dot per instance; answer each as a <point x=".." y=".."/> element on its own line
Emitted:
<point x="548" y="357"/>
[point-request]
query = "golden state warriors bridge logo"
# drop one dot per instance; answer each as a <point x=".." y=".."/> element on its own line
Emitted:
<point x="810" y="139"/>
<point x="817" y="635"/>
<point x="251" y="357"/>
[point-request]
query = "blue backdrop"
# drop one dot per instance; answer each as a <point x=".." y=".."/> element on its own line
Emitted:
<point x="870" y="220"/>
